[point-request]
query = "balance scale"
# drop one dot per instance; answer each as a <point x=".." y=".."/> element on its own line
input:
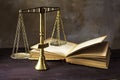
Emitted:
<point x="58" y="27"/>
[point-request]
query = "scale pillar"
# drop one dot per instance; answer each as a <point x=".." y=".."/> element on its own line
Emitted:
<point x="41" y="64"/>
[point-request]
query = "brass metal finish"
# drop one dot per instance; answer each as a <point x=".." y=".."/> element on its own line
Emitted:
<point x="41" y="64"/>
<point x="59" y="29"/>
<point x="37" y="9"/>
<point x="20" y="34"/>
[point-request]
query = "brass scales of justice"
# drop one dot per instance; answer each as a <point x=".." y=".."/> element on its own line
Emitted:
<point x="58" y="25"/>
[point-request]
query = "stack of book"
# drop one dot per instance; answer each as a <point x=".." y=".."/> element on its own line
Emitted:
<point x="92" y="53"/>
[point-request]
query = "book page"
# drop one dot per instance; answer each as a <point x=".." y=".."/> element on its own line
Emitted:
<point x="69" y="47"/>
<point x="59" y="50"/>
<point x="88" y="43"/>
<point x="34" y="55"/>
<point x="95" y="51"/>
<point x="88" y="62"/>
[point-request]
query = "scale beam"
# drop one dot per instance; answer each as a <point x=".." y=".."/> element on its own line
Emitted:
<point x="39" y="10"/>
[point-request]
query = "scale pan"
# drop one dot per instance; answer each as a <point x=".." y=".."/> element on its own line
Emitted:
<point x="21" y="55"/>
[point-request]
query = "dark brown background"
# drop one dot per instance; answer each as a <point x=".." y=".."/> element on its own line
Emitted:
<point x="83" y="20"/>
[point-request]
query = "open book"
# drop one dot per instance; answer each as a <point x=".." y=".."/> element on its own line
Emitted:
<point x="94" y="52"/>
